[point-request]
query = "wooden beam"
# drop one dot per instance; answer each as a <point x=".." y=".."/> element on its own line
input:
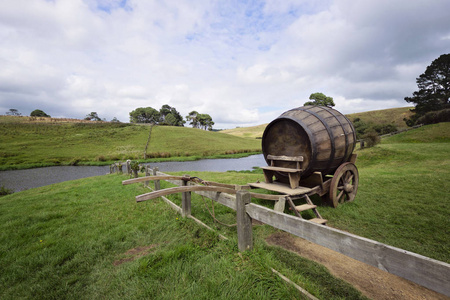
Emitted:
<point x="430" y="273"/>
<point x="285" y="158"/>
<point x="182" y="189"/>
<point x="222" y="198"/>
<point x="147" y="178"/>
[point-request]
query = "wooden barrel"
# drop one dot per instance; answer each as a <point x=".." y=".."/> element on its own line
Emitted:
<point x="322" y="135"/>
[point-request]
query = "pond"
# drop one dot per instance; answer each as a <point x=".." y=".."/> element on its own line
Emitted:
<point x="19" y="180"/>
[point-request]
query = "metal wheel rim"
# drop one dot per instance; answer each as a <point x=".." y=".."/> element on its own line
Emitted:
<point x="344" y="184"/>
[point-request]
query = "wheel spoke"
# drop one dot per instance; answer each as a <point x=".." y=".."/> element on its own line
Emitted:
<point x="339" y="196"/>
<point x="344" y="197"/>
<point x="340" y="188"/>
<point x="347" y="175"/>
<point x="350" y="179"/>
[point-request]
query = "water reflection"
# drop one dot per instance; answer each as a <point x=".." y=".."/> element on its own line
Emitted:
<point x="19" y="180"/>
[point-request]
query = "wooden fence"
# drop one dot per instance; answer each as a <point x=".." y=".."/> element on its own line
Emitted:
<point x="422" y="270"/>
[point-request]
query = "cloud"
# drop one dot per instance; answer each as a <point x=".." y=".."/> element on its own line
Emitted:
<point x="243" y="63"/>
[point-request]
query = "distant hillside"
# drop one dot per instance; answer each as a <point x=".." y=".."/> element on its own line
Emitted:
<point x="26" y="143"/>
<point x="393" y="116"/>
<point x="247" y="132"/>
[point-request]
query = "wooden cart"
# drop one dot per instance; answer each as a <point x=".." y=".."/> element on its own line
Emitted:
<point x="308" y="151"/>
<point x="338" y="188"/>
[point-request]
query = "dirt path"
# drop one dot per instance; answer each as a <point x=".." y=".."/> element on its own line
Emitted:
<point x="372" y="282"/>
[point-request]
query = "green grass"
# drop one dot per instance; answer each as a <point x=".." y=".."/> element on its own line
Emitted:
<point x="247" y="132"/>
<point x="72" y="240"/>
<point x="36" y="144"/>
<point x="402" y="198"/>
<point x="66" y="240"/>
<point x="392" y="116"/>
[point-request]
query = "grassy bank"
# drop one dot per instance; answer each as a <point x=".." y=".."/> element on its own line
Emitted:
<point x="89" y="239"/>
<point x="36" y="144"/>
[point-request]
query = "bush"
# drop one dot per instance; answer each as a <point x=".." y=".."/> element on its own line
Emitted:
<point x="101" y="158"/>
<point x="434" y="117"/>
<point x="385" y="128"/>
<point x="360" y="127"/>
<point x="5" y="191"/>
<point x="371" y="138"/>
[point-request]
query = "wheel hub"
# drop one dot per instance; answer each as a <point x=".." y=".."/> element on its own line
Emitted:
<point x="348" y="188"/>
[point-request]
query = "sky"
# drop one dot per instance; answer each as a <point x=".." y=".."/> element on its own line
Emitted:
<point x="242" y="62"/>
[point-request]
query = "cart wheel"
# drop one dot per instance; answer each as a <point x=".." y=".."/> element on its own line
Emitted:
<point x="344" y="184"/>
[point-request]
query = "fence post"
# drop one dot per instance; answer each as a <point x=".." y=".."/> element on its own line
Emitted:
<point x="185" y="200"/>
<point x="157" y="182"/>
<point x="244" y="221"/>
<point x="128" y="165"/>
<point x="147" y="173"/>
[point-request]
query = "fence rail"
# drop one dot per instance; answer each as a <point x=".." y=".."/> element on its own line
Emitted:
<point x="422" y="270"/>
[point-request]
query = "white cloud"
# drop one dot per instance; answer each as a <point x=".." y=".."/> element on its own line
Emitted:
<point x="242" y="63"/>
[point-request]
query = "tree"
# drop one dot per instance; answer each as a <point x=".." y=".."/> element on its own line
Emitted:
<point x="13" y="112"/>
<point x="39" y="113"/>
<point x="205" y="121"/>
<point x="92" y="117"/>
<point x="115" y="120"/>
<point x="170" y="116"/>
<point x="145" y="115"/>
<point x="193" y="118"/>
<point x="320" y="99"/>
<point x="434" y="88"/>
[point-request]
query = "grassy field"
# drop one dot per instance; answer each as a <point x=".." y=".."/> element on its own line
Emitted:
<point x="25" y="144"/>
<point x="247" y="132"/>
<point x="88" y="238"/>
<point x="392" y="116"/>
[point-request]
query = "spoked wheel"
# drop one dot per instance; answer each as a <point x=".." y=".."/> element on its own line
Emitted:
<point x="344" y="184"/>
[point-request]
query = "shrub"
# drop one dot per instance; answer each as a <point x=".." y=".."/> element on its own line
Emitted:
<point x="371" y="138"/>
<point x="74" y="161"/>
<point x="434" y="117"/>
<point x="101" y="158"/>
<point x="385" y="128"/>
<point x="5" y="191"/>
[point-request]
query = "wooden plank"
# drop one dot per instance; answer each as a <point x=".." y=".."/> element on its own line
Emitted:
<point x="304" y="207"/>
<point x="222" y="198"/>
<point x="281" y="188"/>
<point x="318" y="220"/>
<point x="285" y="158"/>
<point x="212" y="183"/>
<point x="147" y="178"/>
<point x="265" y="196"/>
<point x="422" y="270"/>
<point x="280" y="169"/>
<point x="182" y="189"/>
<point x="294" y="179"/>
